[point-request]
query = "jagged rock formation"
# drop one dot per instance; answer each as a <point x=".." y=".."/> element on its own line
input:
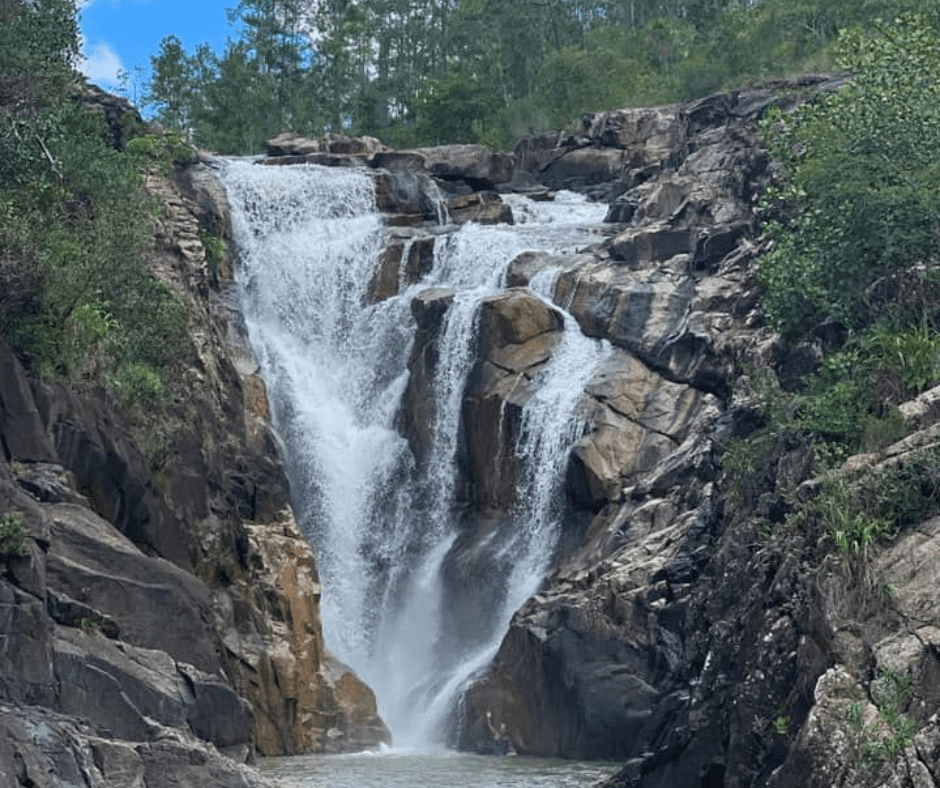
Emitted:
<point x="672" y="635"/>
<point x="672" y="632"/>
<point x="164" y="625"/>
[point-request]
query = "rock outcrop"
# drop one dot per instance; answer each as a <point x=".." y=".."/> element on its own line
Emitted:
<point x="677" y="635"/>
<point x="681" y="629"/>
<point x="163" y="625"/>
<point x="672" y="632"/>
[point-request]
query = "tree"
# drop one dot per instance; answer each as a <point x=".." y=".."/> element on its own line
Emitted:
<point x="862" y="201"/>
<point x="38" y="44"/>
<point x="172" y="87"/>
<point x="77" y="300"/>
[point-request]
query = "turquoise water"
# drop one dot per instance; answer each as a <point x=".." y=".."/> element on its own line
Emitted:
<point x="404" y="769"/>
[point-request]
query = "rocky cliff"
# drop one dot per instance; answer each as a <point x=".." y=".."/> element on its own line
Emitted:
<point x="161" y="624"/>
<point x="687" y="630"/>
<point x="684" y="629"/>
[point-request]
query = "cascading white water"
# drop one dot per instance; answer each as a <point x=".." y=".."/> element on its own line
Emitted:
<point x="308" y="239"/>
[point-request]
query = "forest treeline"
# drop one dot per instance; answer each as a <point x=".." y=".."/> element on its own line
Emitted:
<point x="417" y="72"/>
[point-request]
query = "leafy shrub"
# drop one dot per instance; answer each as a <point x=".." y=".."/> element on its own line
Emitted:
<point x="216" y="251"/>
<point x="163" y="149"/>
<point x="82" y="304"/>
<point x="859" y="510"/>
<point x="77" y="300"/>
<point x="136" y="383"/>
<point x="861" y="201"/>
<point x="13" y="536"/>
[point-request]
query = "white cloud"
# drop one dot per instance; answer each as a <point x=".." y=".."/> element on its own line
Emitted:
<point x="101" y="64"/>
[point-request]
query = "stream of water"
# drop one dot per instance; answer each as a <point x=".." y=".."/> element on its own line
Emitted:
<point x="307" y="241"/>
<point x="403" y="769"/>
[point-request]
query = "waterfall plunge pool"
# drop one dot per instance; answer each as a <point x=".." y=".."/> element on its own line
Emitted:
<point x="432" y="769"/>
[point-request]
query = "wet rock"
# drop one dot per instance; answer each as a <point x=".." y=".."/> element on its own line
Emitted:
<point x="481" y="207"/>
<point x="417" y="415"/>
<point x="357" y="725"/>
<point x="516" y="335"/>
<point x="408" y="198"/>
<point x="405" y="260"/>
<point x="646" y="643"/>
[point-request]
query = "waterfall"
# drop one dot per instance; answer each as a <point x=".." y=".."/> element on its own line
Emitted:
<point x="307" y="240"/>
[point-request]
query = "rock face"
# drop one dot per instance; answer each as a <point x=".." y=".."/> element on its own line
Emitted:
<point x="163" y="627"/>
<point x="613" y="653"/>
<point x="670" y="634"/>
<point x="675" y="632"/>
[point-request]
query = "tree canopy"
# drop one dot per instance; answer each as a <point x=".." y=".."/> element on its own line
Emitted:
<point x="862" y="197"/>
<point x="435" y="71"/>
<point x="855" y="264"/>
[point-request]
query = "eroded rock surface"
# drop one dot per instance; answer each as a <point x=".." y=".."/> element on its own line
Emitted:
<point x="682" y="628"/>
<point x="671" y="634"/>
<point x="163" y="626"/>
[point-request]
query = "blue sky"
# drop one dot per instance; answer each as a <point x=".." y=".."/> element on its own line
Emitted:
<point x="121" y="34"/>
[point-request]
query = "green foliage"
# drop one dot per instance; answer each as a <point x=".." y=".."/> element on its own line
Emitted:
<point x="862" y="201"/>
<point x="216" y="251"/>
<point x="424" y="71"/>
<point x="855" y="716"/>
<point x="90" y="626"/>
<point x="852" y="400"/>
<point x="909" y="360"/>
<point x="37" y="42"/>
<point x="853" y="529"/>
<point x="887" y="740"/>
<point x="78" y="301"/>
<point x="13" y="536"/>
<point x="163" y="149"/>
<point x="262" y="84"/>
<point x="873" y="505"/>
<point x="456" y="109"/>
<point x="136" y="383"/>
